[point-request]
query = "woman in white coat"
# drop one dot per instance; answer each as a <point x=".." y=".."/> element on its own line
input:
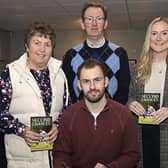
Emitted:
<point x="33" y="85"/>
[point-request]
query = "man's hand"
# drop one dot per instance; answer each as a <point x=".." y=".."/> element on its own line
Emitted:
<point x="99" y="165"/>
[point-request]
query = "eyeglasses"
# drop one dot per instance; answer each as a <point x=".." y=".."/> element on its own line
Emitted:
<point x="90" y="19"/>
<point x="96" y="80"/>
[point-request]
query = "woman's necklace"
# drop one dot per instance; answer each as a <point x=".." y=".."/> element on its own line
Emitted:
<point x="159" y="67"/>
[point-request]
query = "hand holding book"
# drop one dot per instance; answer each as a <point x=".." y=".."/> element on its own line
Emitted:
<point x="43" y="126"/>
<point x="151" y="103"/>
<point x="31" y="136"/>
<point x="52" y="134"/>
<point x="136" y="108"/>
<point x="160" y="115"/>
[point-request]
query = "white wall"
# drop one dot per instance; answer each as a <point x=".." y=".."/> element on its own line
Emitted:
<point x="17" y="45"/>
<point x="4" y="48"/>
<point x="131" y="40"/>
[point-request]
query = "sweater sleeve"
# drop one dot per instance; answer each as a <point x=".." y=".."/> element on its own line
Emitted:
<point x="123" y="77"/>
<point x="62" y="148"/>
<point x="129" y="156"/>
<point x="70" y="75"/>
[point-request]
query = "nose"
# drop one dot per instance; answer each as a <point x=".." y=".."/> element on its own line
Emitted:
<point x="42" y="48"/>
<point x="92" y="84"/>
<point x="94" y="21"/>
<point x="158" y="37"/>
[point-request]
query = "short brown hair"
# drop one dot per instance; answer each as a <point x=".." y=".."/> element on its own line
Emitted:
<point x="96" y="5"/>
<point x="41" y="29"/>
<point x="91" y="63"/>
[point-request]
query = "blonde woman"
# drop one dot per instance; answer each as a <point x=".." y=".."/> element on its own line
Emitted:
<point x="152" y="77"/>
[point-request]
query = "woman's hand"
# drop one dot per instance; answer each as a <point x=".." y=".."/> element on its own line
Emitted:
<point x="52" y="135"/>
<point x="160" y="115"/>
<point x="31" y="136"/>
<point x="136" y="108"/>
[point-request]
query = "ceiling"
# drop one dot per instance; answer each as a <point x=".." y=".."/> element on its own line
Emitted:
<point x="64" y="15"/>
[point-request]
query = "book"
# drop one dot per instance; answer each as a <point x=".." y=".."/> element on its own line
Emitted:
<point x="41" y="125"/>
<point x="151" y="103"/>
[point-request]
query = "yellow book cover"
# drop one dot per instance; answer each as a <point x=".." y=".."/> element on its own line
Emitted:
<point x="41" y="125"/>
<point x="151" y="103"/>
<point x="146" y="120"/>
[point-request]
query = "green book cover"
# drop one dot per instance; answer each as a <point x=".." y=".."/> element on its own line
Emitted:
<point x="41" y="125"/>
<point x="151" y="103"/>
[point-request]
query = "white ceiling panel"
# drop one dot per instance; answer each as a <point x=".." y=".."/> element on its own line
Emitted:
<point x="64" y="14"/>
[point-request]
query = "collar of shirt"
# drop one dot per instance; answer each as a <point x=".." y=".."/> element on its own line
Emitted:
<point x="85" y="108"/>
<point x="99" y="44"/>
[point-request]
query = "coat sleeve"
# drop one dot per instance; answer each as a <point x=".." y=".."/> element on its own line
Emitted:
<point x="8" y="124"/>
<point x="133" y="85"/>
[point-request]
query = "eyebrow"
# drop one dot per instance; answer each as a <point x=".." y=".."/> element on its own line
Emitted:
<point x="98" y="77"/>
<point x="162" y="30"/>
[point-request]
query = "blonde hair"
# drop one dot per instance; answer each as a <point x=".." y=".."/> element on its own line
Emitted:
<point x="145" y="63"/>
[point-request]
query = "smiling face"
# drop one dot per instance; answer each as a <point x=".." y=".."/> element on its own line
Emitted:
<point x="39" y="51"/>
<point x="159" y="37"/>
<point x="94" y="23"/>
<point x="93" y="83"/>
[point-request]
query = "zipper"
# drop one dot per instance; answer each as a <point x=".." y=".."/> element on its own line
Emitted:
<point x="95" y="124"/>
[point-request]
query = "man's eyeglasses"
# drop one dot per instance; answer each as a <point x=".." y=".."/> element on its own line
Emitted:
<point x="90" y="19"/>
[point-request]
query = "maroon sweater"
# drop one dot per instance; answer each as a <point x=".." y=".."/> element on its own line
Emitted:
<point x="82" y="144"/>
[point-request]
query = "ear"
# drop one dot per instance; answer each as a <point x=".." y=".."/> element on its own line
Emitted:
<point x="79" y="85"/>
<point x="106" y="82"/>
<point x="82" y="24"/>
<point x="27" y="48"/>
<point x="105" y="24"/>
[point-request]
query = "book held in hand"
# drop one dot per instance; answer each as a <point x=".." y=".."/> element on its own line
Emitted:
<point x="151" y="103"/>
<point x="41" y="125"/>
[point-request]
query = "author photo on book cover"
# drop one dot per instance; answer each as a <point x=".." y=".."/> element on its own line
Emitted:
<point x="151" y="76"/>
<point x="31" y="86"/>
